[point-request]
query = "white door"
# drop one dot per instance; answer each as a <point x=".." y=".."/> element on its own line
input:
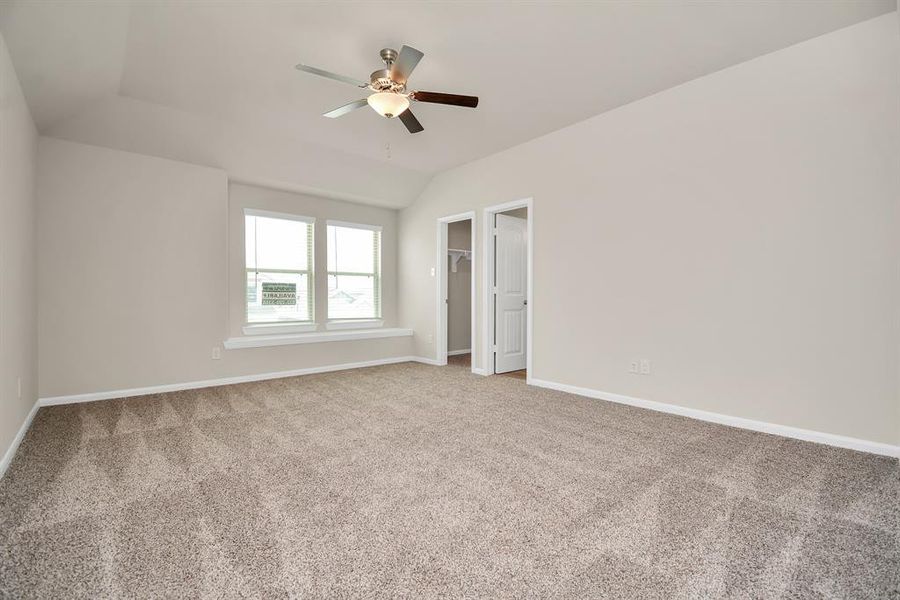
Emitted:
<point x="511" y="273"/>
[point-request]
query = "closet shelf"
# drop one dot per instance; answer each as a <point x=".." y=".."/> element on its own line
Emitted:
<point x="456" y="255"/>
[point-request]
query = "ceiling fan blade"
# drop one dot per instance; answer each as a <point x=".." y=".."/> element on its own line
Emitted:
<point x="451" y="99"/>
<point x="343" y="110"/>
<point x="405" y="63"/>
<point x="411" y="122"/>
<point x="330" y="75"/>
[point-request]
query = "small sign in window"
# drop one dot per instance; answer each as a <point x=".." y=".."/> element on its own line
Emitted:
<point x="279" y="294"/>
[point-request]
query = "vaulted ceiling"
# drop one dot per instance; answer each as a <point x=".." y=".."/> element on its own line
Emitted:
<point x="213" y="82"/>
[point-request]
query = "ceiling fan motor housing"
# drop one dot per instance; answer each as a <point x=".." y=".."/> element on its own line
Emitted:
<point x="380" y="81"/>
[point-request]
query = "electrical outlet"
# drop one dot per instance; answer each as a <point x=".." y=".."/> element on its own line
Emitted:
<point x="216" y="353"/>
<point x="432" y="271"/>
<point x="634" y="368"/>
<point x="645" y="367"/>
<point x="430" y="338"/>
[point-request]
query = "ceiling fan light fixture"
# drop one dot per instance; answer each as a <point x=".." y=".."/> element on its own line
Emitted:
<point x="388" y="104"/>
<point x="388" y="87"/>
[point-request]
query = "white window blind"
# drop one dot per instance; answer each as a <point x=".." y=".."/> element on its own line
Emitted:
<point x="354" y="271"/>
<point x="279" y="259"/>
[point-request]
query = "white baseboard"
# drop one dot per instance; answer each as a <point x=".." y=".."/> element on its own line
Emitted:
<point x="458" y="352"/>
<point x="761" y="426"/>
<point x="427" y="361"/>
<point x="20" y="435"/>
<point x="702" y="415"/>
<point x="190" y="385"/>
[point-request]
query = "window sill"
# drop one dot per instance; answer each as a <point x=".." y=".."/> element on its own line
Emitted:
<point x="350" y="324"/>
<point x="278" y="328"/>
<point x="261" y="341"/>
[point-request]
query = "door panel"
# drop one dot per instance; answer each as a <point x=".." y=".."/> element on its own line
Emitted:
<point x="512" y="343"/>
<point x="512" y="284"/>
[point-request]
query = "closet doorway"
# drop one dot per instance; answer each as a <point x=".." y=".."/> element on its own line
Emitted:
<point x="456" y="289"/>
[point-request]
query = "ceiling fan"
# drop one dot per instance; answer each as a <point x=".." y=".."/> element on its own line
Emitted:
<point x="390" y="98"/>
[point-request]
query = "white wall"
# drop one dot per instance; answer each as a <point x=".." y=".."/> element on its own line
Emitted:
<point x="18" y="324"/>
<point x="133" y="270"/>
<point x="739" y="231"/>
<point x="459" y="288"/>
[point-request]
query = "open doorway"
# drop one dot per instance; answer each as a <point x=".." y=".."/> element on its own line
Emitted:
<point x="456" y="290"/>
<point x="459" y="292"/>
<point x="508" y="289"/>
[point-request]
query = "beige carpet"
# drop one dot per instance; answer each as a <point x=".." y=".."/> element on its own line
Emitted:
<point x="417" y="481"/>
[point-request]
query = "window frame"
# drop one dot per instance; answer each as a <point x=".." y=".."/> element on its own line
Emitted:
<point x="347" y="323"/>
<point x="293" y="326"/>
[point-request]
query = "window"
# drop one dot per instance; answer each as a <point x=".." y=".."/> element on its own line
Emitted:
<point x="279" y="259"/>
<point x="354" y="271"/>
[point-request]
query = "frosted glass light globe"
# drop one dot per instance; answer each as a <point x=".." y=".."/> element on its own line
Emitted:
<point x="388" y="104"/>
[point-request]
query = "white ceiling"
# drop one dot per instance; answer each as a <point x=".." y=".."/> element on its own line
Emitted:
<point x="214" y="83"/>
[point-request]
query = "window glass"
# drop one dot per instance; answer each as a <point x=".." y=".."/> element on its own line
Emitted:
<point x="277" y="243"/>
<point x="351" y="250"/>
<point x="279" y="269"/>
<point x="354" y="272"/>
